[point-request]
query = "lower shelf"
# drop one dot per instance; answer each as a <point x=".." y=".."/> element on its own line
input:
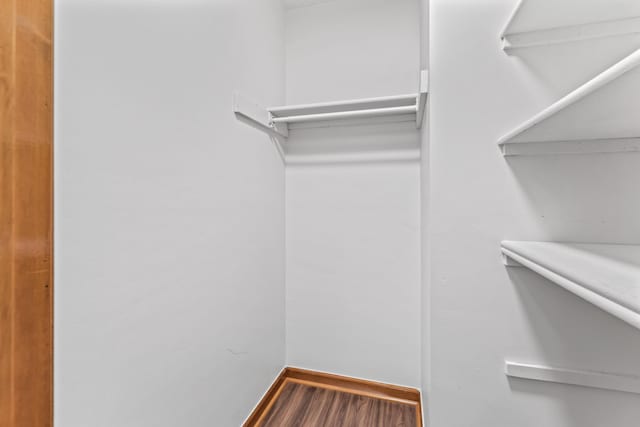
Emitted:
<point x="301" y="397"/>
<point x="607" y="276"/>
<point x="589" y="146"/>
<point x="602" y="380"/>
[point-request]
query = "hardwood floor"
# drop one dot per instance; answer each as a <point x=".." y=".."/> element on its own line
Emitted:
<point x="309" y="406"/>
<point x="301" y="398"/>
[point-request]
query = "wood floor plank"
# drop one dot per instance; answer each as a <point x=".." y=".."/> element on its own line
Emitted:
<point x="303" y="405"/>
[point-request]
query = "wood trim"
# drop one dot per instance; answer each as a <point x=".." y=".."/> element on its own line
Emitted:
<point x="267" y="400"/>
<point x="26" y="210"/>
<point x="358" y="386"/>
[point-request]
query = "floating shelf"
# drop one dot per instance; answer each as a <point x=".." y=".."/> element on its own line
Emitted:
<point x="599" y="116"/>
<point x="602" y="380"/>
<point x="607" y="276"/>
<point x="532" y="25"/>
<point x="277" y="119"/>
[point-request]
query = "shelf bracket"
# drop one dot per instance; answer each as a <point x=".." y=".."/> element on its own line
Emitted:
<point x="421" y="101"/>
<point x="258" y="116"/>
<point x="510" y="262"/>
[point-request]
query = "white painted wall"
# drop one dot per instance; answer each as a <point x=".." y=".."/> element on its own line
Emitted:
<point x="480" y="312"/>
<point x="169" y="213"/>
<point x="346" y="49"/>
<point x="353" y="209"/>
<point x="425" y="186"/>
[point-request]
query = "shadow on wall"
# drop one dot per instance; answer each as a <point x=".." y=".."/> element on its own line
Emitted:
<point x="570" y="332"/>
<point x="559" y="70"/>
<point x="582" y="198"/>
<point x="572" y="399"/>
<point x="354" y="141"/>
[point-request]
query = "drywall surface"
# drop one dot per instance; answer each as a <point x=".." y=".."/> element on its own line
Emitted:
<point x="424" y="222"/>
<point x="352" y="49"/>
<point x="482" y="312"/>
<point x="169" y="213"/>
<point x="353" y="195"/>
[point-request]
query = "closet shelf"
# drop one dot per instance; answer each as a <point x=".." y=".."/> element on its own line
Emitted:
<point x="528" y="27"/>
<point x="606" y="275"/>
<point x="277" y="119"/>
<point x="586" y="116"/>
<point x="371" y="107"/>
<point x="571" y="34"/>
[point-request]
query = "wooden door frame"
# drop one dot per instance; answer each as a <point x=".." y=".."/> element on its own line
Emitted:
<point x="26" y="212"/>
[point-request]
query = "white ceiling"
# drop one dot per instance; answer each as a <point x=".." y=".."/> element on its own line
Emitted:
<point x="292" y="4"/>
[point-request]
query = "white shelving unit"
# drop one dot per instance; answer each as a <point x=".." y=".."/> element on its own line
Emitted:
<point x="277" y="119"/>
<point x="531" y="24"/>
<point x="607" y="276"/>
<point x="578" y="123"/>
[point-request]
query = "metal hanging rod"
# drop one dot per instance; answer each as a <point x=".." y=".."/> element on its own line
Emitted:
<point x="347" y="114"/>
<point x="353" y="104"/>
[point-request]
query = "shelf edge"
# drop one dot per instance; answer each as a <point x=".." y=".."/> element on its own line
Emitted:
<point x="601" y="380"/>
<point x="570" y="33"/>
<point x="623" y="313"/>
<point x="561" y="147"/>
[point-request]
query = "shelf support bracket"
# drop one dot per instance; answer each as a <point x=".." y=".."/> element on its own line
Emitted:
<point x="510" y="262"/>
<point x="421" y="101"/>
<point x="257" y="116"/>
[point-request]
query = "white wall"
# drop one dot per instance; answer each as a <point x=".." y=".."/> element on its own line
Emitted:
<point x="346" y="49"/>
<point x="353" y="195"/>
<point x="480" y="312"/>
<point x="425" y="186"/>
<point x="169" y="213"/>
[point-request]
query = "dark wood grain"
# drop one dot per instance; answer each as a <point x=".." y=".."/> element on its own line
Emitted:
<point x="268" y="399"/>
<point x="303" y="405"/>
<point x="355" y="385"/>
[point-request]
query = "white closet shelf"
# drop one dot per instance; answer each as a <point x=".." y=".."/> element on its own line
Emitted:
<point x="357" y="108"/>
<point x="531" y="25"/>
<point x="570" y="34"/>
<point x="606" y="275"/>
<point x="594" y="379"/>
<point x="277" y="119"/>
<point x="518" y="142"/>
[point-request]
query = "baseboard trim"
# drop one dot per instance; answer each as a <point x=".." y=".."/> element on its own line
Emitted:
<point x="351" y="385"/>
<point x="269" y="397"/>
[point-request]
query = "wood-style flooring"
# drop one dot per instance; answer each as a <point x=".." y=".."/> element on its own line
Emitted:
<point x="302" y="398"/>
<point x="301" y="405"/>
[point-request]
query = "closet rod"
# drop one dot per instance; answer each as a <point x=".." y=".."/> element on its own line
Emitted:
<point x="347" y="114"/>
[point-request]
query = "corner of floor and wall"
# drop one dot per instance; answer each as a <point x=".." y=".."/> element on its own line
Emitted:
<point x="353" y="195"/>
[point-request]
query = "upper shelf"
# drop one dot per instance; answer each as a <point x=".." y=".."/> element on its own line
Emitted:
<point x="599" y="116"/>
<point x="607" y="276"/>
<point x="277" y="119"/>
<point x="357" y="108"/>
<point x="532" y="25"/>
